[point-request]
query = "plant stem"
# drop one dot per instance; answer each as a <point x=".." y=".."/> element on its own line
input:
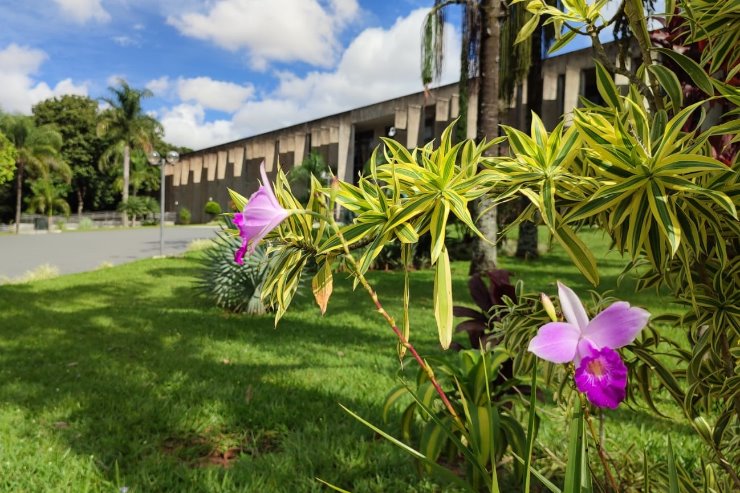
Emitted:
<point x="392" y="323"/>
<point x="599" y="448"/>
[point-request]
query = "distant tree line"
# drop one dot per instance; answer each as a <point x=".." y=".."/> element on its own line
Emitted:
<point x="75" y="153"/>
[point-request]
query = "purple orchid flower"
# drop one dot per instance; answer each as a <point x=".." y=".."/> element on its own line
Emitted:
<point x="590" y="345"/>
<point x="261" y="215"/>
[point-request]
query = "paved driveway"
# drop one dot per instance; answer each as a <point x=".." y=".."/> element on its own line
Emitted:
<point x="85" y="250"/>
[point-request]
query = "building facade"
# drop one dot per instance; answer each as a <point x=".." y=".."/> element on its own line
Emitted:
<point x="346" y="140"/>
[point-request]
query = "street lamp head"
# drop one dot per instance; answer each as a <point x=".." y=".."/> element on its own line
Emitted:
<point x="154" y="158"/>
<point x="172" y="157"/>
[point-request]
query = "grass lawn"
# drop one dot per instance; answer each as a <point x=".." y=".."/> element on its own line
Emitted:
<point x="126" y="377"/>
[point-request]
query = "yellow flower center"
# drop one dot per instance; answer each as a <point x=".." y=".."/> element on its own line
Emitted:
<point x="596" y="368"/>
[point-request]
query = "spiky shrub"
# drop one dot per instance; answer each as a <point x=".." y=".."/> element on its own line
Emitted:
<point x="233" y="287"/>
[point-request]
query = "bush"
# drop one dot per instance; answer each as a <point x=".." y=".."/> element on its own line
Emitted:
<point x="85" y="224"/>
<point x="213" y="208"/>
<point x="143" y="207"/>
<point x="184" y="216"/>
<point x="233" y="287"/>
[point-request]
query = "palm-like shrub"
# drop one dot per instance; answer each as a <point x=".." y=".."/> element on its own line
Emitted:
<point x="233" y="287"/>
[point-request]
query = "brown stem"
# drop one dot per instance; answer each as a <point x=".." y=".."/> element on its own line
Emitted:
<point x="392" y="323"/>
<point x="599" y="448"/>
<point x="612" y="67"/>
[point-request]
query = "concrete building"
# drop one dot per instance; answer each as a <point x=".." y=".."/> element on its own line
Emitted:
<point x="346" y="139"/>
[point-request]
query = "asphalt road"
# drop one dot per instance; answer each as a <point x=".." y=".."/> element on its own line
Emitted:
<point x="86" y="250"/>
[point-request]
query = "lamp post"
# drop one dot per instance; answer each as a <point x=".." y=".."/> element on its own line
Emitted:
<point x="155" y="159"/>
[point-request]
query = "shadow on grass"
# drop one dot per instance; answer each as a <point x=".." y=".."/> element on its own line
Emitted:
<point x="121" y="364"/>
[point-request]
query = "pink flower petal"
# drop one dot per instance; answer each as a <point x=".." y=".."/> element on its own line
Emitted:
<point x="572" y="307"/>
<point x="616" y="326"/>
<point x="556" y="342"/>
<point x="603" y="378"/>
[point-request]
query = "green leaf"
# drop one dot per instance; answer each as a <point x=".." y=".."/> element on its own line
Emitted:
<point x="393" y="396"/>
<point x="527" y="30"/>
<point x="607" y="88"/>
<point x="664" y="215"/>
<point x="562" y="41"/>
<point x="322" y="285"/>
<point x="692" y="69"/>
<point x="437" y="228"/>
<point x="335" y="488"/>
<point x="670" y="84"/>
<point x="578" y="252"/>
<point x="576" y="447"/>
<point x="439" y="470"/>
<point x="240" y="202"/>
<point x="672" y="473"/>
<point x="530" y="428"/>
<point x="443" y="298"/>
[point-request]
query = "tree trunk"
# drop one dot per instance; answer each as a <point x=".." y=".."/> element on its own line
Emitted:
<point x="126" y="169"/>
<point x="18" y="195"/>
<point x="526" y="246"/>
<point x="484" y="254"/>
<point x="80" y="194"/>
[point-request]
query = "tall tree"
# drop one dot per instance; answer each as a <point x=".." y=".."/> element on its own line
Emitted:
<point x="484" y="56"/>
<point x="7" y="159"/>
<point x="125" y="125"/>
<point x="75" y="117"/>
<point x="48" y="190"/>
<point x="38" y="147"/>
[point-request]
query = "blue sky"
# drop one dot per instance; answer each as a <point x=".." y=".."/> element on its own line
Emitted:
<point x="219" y="69"/>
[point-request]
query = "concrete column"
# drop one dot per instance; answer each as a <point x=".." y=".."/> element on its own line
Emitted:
<point x="211" y="163"/>
<point x="454" y="106"/>
<point x="236" y="156"/>
<point x="442" y="110"/>
<point x="401" y="118"/>
<point x="177" y="172"/>
<point x="268" y="149"/>
<point x="345" y="140"/>
<point x="572" y="91"/>
<point x="300" y="147"/>
<point x="222" y="160"/>
<point x="472" y="128"/>
<point x="414" y="119"/>
<point x="196" y="164"/>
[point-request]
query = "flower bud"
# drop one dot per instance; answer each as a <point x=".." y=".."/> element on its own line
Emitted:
<point x="549" y="307"/>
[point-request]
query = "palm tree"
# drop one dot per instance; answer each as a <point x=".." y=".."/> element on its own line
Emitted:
<point x="48" y="193"/>
<point x="126" y="126"/>
<point x="489" y="32"/>
<point x="142" y="176"/>
<point x="37" y="148"/>
<point x="481" y="49"/>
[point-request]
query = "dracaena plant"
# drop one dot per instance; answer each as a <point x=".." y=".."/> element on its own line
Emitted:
<point x="651" y="176"/>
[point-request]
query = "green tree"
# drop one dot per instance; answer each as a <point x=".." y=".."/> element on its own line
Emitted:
<point x="75" y="117"/>
<point x="48" y="191"/>
<point x="313" y="165"/>
<point x="7" y="159"/>
<point x="125" y="126"/>
<point x="38" y="148"/>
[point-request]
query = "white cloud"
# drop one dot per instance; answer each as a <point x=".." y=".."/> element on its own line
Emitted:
<point x="125" y="41"/>
<point x="19" y="89"/>
<point x="185" y="125"/>
<point x="159" y="86"/>
<point x="378" y="64"/>
<point x="272" y="30"/>
<point x="214" y="94"/>
<point x="83" y="10"/>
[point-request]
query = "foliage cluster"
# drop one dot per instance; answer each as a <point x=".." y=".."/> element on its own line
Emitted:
<point x="642" y="168"/>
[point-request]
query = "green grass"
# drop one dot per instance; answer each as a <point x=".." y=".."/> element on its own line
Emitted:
<point x="126" y="377"/>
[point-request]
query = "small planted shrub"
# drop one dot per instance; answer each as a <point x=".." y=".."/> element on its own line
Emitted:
<point x="233" y="287"/>
<point x="184" y="216"/>
<point x="212" y="208"/>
